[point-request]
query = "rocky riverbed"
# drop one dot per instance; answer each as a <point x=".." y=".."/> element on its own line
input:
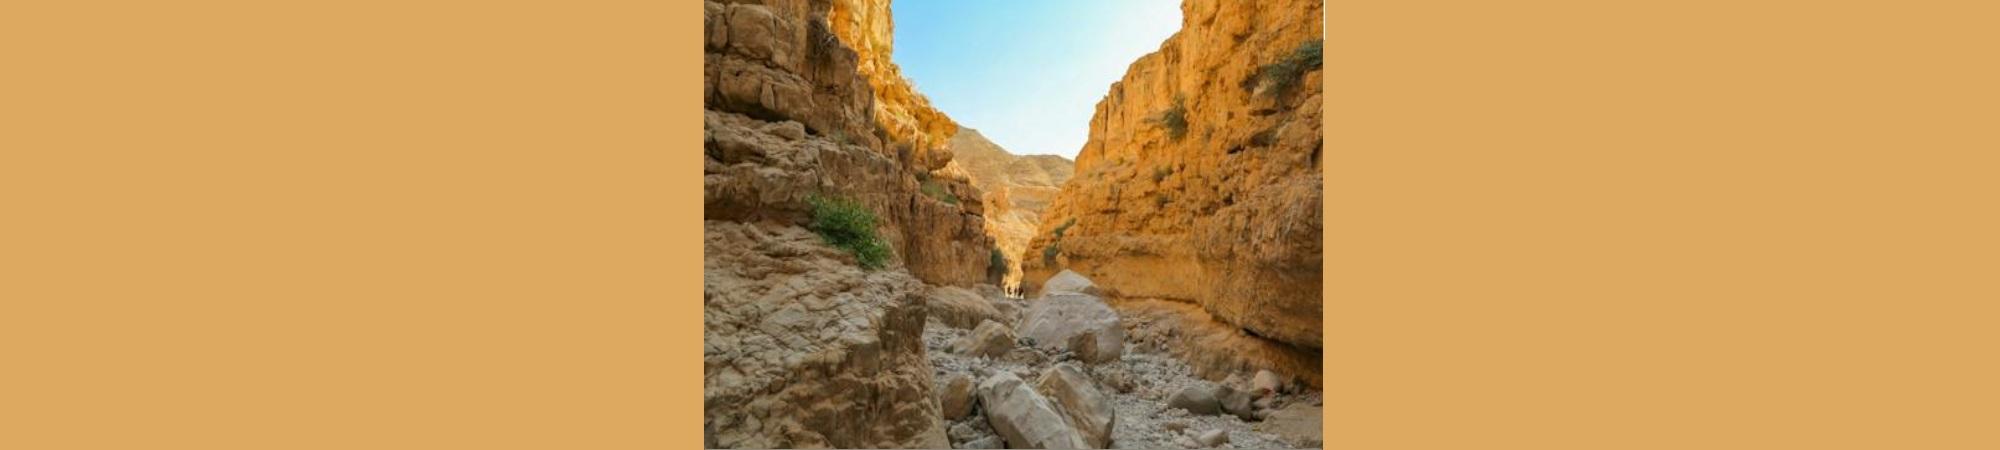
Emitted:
<point x="1004" y="384"/>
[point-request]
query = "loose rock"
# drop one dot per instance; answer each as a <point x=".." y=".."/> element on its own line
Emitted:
<point x="1197" y="400"/>
<point x="1079" y="401"/>
<point x="1053" y="320"/>
<point x="1266" y="383"/>
<point x="1213" y="438"/>
<point x="990" y="339"/>
<point x="956" y="397"/>
<point x="1024" y="418"/>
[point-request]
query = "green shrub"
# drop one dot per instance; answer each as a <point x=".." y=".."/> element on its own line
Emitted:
<point x="1283" y="76"/>
<point x="1174" y="118"/>
<point x="849" y="226"/>
<point x="1063" y="228"/>
<point x="996" y="259"/>
<point x="1160" y="173"/>
<point x="1049" y="254"/>
<point x="937" y="191"/>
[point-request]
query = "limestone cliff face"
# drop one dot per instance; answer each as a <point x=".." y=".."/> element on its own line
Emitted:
<point x="1201" y="178"/>
<point x="1018" y="188"/>
<point x="803" y="347"/>
<point x="904" y="115"/>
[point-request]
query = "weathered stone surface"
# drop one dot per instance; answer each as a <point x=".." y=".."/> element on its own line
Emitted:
<point x="1069" y="282"/>
<point x="802" y="349"/>
<point x="956" y="397"/>
<point x="989" y="339"/>
<point x="1266" y="383"/>
<point x="962" y="308"/>
<point x="1197" y="400"/>
<point x="1237" y="403"/>
<point x="1080" y="402"/>
<point x="1213" y="348"/>
<point x="1024" y="418"/>
<point x="1088" y="347"/>
<point x="1226" y="213"/>
<point x="1297" y="424"/>
<point x="1054" y="319"/>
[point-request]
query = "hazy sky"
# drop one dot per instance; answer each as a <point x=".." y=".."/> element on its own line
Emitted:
<point x="1026" y="73"/>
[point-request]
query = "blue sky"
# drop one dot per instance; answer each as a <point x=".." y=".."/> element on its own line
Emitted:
<point x="1026" y="73"/>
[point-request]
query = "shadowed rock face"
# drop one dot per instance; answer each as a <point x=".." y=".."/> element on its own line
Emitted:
<point x="803" y="348"/>
<point x="1217" y="203"/>
<point x="1018" y="188"/>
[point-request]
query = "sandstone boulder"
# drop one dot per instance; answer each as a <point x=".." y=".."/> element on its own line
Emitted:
<point x="1086" y="408"/>
<point x="956" y="397"/>
<point x="1197" y="400"/>
<point x="1266" y="383"/>
<point x="1237" y="403"/>
<point x="1089" y="348"/>
<point x="1054" y="319"/>
<point x="989" y="339"/>
<point x="986" y="442"/>
<point x="962" y="308"/>
<point x="1297" y="424"/>
<point x="1024" y="418"/>
<point x="1069" y="282"/>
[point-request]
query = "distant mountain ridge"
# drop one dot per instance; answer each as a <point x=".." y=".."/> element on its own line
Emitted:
<point x="1017" y="189"/>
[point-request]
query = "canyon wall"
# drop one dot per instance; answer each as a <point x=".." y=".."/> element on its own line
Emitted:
<point x="1200" y="181"/>
<point x="1018" y="188"/>
<point x="803" y="346"/>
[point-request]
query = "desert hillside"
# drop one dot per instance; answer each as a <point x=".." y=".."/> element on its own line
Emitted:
<point x="1018" y="188"/>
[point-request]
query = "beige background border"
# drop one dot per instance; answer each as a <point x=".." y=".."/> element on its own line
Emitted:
<point x="472" y="225"/>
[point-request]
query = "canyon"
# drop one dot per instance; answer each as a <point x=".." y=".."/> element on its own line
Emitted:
<point x="865" y="256"/>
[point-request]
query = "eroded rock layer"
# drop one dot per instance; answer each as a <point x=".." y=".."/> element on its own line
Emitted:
<point x="803" y="347"/>
<point x="1200" y="181"/>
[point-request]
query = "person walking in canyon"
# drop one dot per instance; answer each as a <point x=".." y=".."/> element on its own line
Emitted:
<point x="878" y="274"/>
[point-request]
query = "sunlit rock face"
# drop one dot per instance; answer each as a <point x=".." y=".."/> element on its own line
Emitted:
<point x="1219" y="206"/>
<point x="1017" y="187"/>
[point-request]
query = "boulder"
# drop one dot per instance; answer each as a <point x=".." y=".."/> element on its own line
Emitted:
<point x="956" y="397"/>
<point x="1069" y="282"/>
<point x="1024" y="418"/>
<point x="1085" y="407"/>
<point x="962" y="308"/>
<point x="1297" y="424"/>
<point x="1197" y="400"/>
<point x="990" y="339"/>
<point x="1089" y="348"/>
<point x="1266" y="383"/>
<point x="1238" y="403"/>
<point x="1054" y="319"/>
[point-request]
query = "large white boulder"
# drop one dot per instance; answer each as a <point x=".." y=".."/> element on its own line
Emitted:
<point x="1024" y="418"/>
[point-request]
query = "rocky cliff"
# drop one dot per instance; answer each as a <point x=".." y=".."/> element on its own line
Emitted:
<point x="1017" y="187"/>
<point x="1200" y="181"/>
<point x="803" y="346"/>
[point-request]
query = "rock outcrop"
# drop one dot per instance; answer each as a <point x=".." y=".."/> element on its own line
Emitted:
<point x="1017" y="189"/>
<point x="1200" y="181"/>
<point x="802" y="346"/>
<point x="804" y="349"/>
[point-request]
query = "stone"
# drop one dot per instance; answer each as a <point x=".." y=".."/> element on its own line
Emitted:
<point x="1196" y="399"/>
<point x="1297" y="424"/>
<point x="956" y="397"/>
<point x="780" y="303"/>
<point x="1090" y="348"/>
<point x="1186" y="442"/>
<point x="1266" y="383"/>
<point x="986" y="442"/>
<point x="990" y="339"/>
<point x="959" y="307"/>
<point x="1213" y="438"/>
<point x="1054" y="319"/>
<point x="1069" y="282"/>
<point x="1085" y="407"/>
<point x="1024" y="418"/>
<point x="1237" y="403"/>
